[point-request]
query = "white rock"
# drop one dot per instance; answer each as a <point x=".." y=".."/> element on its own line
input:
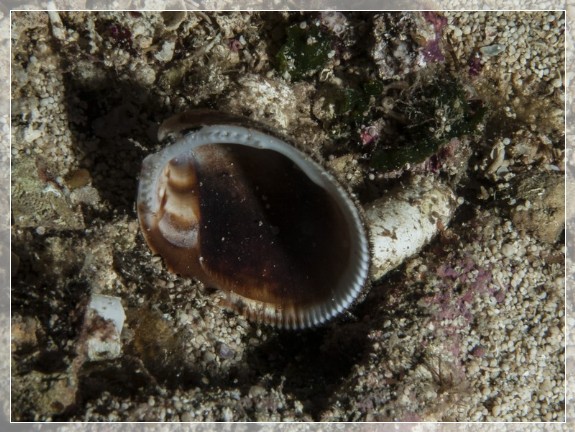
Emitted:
<point x="508" y="250"/>
<point x="405" y="220"/>
<point x="103" y="326"/>
<point x="31" y="134"/>
<point x="167" y="51"/>
<point x="56" y="23"/>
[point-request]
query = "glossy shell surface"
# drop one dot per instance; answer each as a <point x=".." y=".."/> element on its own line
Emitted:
<point x="245" y="212"/>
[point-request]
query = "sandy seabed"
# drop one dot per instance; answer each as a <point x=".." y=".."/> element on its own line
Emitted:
<point x="469" y="329"/>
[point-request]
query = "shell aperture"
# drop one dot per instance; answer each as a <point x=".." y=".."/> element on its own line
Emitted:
<point x="245" y="212"/>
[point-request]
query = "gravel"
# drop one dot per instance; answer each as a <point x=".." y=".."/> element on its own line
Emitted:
<point x="470" y="329"/>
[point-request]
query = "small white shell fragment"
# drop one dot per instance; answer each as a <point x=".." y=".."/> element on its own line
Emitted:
<point x="102" y="326"/>
<point x="405" y="220"/>
<point x="56" y="22"/>
<point x="167" y="51"/>
<point x="492" y="50"/>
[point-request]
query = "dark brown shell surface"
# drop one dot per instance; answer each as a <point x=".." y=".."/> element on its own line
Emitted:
<point x="245" y="212"/>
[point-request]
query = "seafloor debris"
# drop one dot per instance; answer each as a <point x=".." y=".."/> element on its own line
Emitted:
<point x="405" y="220"/>
<point x="380" y="96"/>
<point x="102" y="328"/>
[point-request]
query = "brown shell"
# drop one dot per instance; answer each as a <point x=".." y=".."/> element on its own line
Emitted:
<point x="247" y="213"/>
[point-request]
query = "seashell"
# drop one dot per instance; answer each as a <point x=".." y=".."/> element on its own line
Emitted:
<point x="407" y="218"/>
<point x="241" y="210"/>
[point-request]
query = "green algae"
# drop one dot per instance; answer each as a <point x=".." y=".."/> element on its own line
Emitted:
<point x="435" y="113"/>
<point x="304" y="52"/>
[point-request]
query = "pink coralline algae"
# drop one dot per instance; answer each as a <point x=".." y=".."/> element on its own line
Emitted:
<point x="432" y="50"/>
<point x="472" y="280"/>
<point x="121" y="35"/>
<point x="234" y="44"/>
<point x="475" y="65"/>
<point x="478" y="351"/>
<point x="369" y="134"/>
<point x="438" y="21"/>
